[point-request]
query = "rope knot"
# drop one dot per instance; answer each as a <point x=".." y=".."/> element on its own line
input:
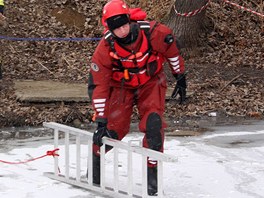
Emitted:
<point x="53" y="152"/>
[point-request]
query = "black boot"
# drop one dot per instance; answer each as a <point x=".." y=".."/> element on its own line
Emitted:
<point x="152" y="181"/>
<point x="96" y="169"/>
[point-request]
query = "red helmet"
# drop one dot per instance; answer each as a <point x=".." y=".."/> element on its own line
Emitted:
<point x="113" y="8"/>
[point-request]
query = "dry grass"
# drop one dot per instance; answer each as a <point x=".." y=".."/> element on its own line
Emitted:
<point x="156" y="9"/>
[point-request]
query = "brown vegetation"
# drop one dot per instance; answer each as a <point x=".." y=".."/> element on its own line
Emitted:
<point x="225" y="74"/>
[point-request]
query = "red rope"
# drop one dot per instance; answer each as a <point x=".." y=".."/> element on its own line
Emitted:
<point x="48" y="153"/>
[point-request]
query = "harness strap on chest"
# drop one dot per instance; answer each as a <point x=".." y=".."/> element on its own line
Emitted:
<point x="143" y="25"/>
<point x="109" y="37"/>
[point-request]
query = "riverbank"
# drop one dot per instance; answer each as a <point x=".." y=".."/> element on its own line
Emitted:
<point x="225" y="76"/>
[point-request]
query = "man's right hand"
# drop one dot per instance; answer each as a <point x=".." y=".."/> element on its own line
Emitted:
<point x="101" y="132"/>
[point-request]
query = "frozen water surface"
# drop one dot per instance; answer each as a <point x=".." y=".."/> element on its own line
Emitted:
<point x="226" y="162"/>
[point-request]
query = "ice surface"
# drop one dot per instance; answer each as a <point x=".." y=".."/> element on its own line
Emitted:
<point x="225" y="163"/>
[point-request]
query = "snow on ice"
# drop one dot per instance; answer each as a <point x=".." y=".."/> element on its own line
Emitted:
<point x="224" y="162"/>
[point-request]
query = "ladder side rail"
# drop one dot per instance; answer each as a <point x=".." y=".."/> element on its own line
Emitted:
<point x="78" y="157"/>
<point x="139" y="150"/>
<point x="67" y="154"/>
<point x="129" y="172"/>
<point x="56" y="145"/>
<point x="68" y="129"/>
<point x="116" y="175"/>
<point x="160" y="178"/>
<point x="102" y="166"/>
<point x="83" y="184"/>
<point x="144" y="176"/>
<point x="90" y="162"/>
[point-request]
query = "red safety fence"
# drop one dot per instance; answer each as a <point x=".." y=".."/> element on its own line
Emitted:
<point x="244" y="8"/>
<point x="197" y="11"/>
<point x="192" y="13"/>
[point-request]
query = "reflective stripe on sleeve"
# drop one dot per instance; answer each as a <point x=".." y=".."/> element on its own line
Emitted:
<point x="99" y="105"/>
<point x="175" y="63"/>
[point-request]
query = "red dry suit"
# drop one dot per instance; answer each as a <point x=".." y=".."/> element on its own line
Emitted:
<point x="122" y="76"/>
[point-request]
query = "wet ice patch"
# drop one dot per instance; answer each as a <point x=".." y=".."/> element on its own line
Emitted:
<point x="236" y="139"/>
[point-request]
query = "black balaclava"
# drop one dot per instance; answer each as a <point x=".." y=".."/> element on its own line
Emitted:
<point x="131" y="37"/>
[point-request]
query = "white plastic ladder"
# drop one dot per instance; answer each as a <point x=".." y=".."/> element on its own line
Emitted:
<point x="113" y="190"/>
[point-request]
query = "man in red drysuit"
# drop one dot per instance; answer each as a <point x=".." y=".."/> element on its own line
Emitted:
<point x="127" y="70"/>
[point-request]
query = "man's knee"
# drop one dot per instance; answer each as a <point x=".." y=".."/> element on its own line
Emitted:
<point x="153" y="131"/>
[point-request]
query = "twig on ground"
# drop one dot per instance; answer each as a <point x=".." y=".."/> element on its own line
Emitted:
<point x="12" y="49"/>
<point x="68" y="63"/>
<point x="230" y="82"/>
<point x="43" y="66"/>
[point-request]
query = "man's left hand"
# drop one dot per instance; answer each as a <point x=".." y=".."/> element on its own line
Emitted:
<point x="180" y="88"/>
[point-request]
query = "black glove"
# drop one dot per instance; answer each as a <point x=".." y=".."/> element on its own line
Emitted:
<point x="180" y="87"/>
<point x="101" y="132"/>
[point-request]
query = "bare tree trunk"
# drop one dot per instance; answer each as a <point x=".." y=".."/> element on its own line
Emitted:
<point x="187" y="29"/>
